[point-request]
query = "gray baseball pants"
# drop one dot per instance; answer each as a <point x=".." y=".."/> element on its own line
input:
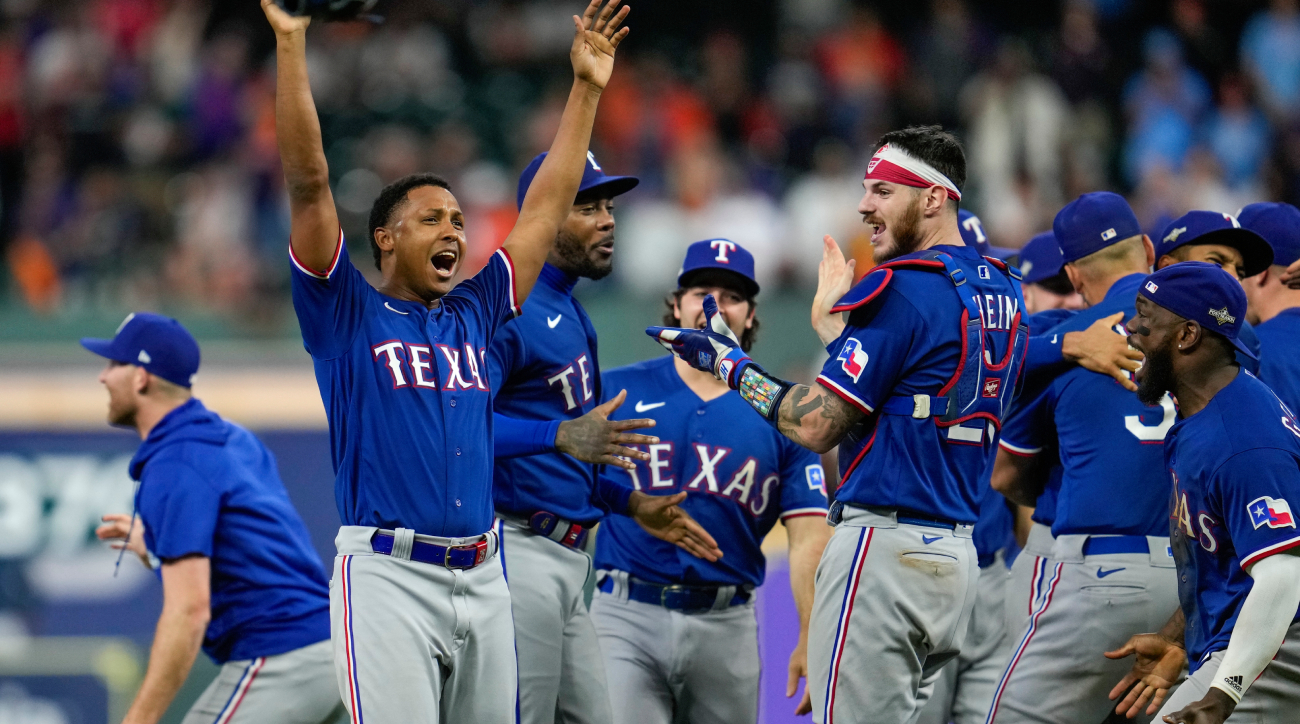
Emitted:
<point x="669" y="667"/>
<point x="1088" y="605"/>
<point x="415" y="642"/>
<point x="296" y="687"/>
<point x="893" y="604"/>
<point x="561" y="671"/>
<point x="1031" y="569"/>
<point x="1274" y="697"/>
<point x="964" y="689"/>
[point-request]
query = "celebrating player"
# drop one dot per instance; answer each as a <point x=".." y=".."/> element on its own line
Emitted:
<point x="1275" y="308"/>
<point x="1234" y="457"/>
<point x="1046" y="284"/>
<point x="419" y="607"/>
<point x="678" y="633"/>
<point x="239" y="575"/>
<point x="1110" y="575"/>
<point x="549" y="385"/>
<point x="912" y="419"/>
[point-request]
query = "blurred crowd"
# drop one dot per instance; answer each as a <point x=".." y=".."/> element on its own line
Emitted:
<point x="138" y="163"/>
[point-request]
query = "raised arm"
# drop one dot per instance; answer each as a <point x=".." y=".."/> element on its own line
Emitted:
<point x="550" y="197"/>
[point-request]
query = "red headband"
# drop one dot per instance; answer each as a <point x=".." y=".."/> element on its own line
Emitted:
<point x="897" y="166"/>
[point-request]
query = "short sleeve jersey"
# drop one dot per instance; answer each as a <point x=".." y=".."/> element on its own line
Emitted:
<point x="907" y="340"/>
<point x="210" y="488"/>
<point x="407" y="394"/>
<point x="1110" y="444"/>
<point x="1236" y="487"/>
<point x="544" y="365"/>
<point x="740" y="475"/>
<point x="1279" y="356"/>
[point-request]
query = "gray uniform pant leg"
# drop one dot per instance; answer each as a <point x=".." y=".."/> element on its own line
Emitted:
<point x="892" y="606"/>
<point x="668" y="667"/>
<point x="414" y="642"/>
<point x="1057" y="673"/>
<point x="1029" y="572"/>
<point x="1274" y="697"/>
<point x="296" y="687"/>
<point x="561" y="671"/>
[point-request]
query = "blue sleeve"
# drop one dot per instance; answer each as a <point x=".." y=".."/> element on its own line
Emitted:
<point x="179" y="508"/>
<point x="1031" y="425"/>
<point x="803" y="482"/>
<point x="869" y="356"/>
<point x="1045" y="345"/>
<point x="610" y="495"/>
<point x="330" y="304"/>
<point x="512" y="437"/>
<point x="487" y="300"/>
<point x="1256" y="490"/>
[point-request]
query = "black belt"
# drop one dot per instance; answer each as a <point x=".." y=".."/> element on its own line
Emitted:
<point x="460" y="557"/>
<point x="910" y="517"/>
<point x="687" y="599"/>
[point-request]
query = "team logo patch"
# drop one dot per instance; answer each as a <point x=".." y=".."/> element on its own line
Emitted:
<point x="853" y="358"/>
<point x="1273" y="512"/>
<point x="1222" y="317"/>
<point x="871" y="165"/>
<point x="1151" y="287"/>
<point x="816" y="478"/>
<point x="1172" y="236"/>
<point x="983" y="272"/>
<point x="1108" y="234"/>
<point x="992" y="385"/>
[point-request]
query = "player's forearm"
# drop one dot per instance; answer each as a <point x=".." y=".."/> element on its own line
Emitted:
<point x="1262" y="623"/>
<point x="176" y="643"/>
<point x="814" y="417"/>
<point x="1174" y="629"/>
<point x="828" y="328"/>
<point x="805" y="553"/>
<point x="1013" y="477"/>
<point x="297" y="126"/>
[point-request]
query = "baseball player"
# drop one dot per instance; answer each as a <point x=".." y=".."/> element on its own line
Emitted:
<point x="240" y="578"/>
<point x="420" y="611"/>
<point x="912" y="417"/>
<point x="1234" y="459"/>
<point x="1275" y="308"/>
<point x="678" y="632"/>
<point x="1046" y="284"/>
<point x="548" y="387"/>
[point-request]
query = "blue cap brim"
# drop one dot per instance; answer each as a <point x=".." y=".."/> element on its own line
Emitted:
<point x="615" y="185"/>
<point x="101" y="347"/>
<point x="1240" y="347"/>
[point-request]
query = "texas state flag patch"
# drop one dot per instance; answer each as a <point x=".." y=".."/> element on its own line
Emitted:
<point x="853" y="358"/>
<point x="1273" y="512"/>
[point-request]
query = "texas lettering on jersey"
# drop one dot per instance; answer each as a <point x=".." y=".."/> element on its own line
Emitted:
<point x="413" y="365"/>
<point x="574" y="382"/>
<point x="712" y="472"/>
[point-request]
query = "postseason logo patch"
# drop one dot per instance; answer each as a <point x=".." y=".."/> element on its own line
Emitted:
<point x="853" y="359"/>
<point x="1273" y="512"/>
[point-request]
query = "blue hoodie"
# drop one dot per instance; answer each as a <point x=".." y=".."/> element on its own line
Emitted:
<point x="209" y="487"/>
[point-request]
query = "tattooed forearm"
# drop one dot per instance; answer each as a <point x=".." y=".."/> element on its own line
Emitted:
<point x="800" y="404"/>
<point x="816" y="432"/>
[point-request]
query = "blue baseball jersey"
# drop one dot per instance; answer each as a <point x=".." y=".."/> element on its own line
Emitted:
<point x="544" y="365"/>
<point x="740" y="474"/>
<point x="995" y="529"/>
<point x="407" y="394"/>
<point x="210" y="488"/>
<point x="906" y="339"/>
<point x="1279" y="356"/>
<point x="1110" y="444"/>
<point x="1236" y="477"/>
<point x="1250" y="338"/>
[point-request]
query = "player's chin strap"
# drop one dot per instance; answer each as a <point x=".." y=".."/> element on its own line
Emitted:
<point x="715" y="349"/>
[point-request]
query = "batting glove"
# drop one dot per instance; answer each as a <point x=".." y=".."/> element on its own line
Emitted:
<point x="712" y="349"/>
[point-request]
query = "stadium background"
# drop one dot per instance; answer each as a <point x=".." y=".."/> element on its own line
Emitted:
<point x="138" y="170"/>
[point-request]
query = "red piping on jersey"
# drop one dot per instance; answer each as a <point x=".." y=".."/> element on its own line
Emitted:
<point x="1011" y="344"/>
<point x="859" y="406"/>
<point x="338" y="249"/>
<point x="889" y="274"/>
<point x="853" y="465"/>
<point x="1261" y="555"/>
<point x="961" y="361"/>
<point x="514" y="294"/>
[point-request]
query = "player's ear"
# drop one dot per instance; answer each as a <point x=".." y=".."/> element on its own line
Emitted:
<point x="384" y="239"/>
<point x="753" y="311"/>
<point x="1072" y="274"/>
<point x="140" y="380"/>
<point x="1150" y="250"/>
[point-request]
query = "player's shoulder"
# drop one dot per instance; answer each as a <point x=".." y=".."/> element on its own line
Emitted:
<point x="1244" y="416"/>
<point x="1281" y="330"/>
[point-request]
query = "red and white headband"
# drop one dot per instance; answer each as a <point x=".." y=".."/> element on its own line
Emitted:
<point x="898" y="166"/>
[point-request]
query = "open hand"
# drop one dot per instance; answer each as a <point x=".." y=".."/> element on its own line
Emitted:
<point x="594" y="438"/>
<point x="282" y="22"/>
<point x="661" y="517"/>
<point x="799" y="670"/>
<point x="1100" y="349"/>
<point x="596" y="35"/>
<point x="712" y="349"/>
<point x="125" y="528"/>
<point x="1214" y="708"/>
<point x="1158" y="668"/>
<point x="1291" y="277"/>
<point x="834" y="279"/>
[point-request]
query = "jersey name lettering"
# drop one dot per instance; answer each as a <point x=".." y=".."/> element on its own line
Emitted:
<point x="997" y="311"/>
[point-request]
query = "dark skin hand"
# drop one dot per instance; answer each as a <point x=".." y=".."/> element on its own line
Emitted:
<point x="661" y="517"/>
<point x="594" y="438"/>
<point x="1102" y="350"/>
<point x="1215" y="708"/>
<point x="1159" y="665"/>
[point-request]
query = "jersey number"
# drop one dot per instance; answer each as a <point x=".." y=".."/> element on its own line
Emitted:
<point x="1157" y="432"/>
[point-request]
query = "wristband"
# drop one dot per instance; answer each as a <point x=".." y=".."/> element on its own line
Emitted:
<point x="762" y="391"/>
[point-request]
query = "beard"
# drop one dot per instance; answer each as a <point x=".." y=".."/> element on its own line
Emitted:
<point x="1157" y="376"/>
<point x="577" y="260"/>
<point x="906" y="233"/>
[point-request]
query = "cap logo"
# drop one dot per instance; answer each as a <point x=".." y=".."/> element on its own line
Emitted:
<point x="1108" y="234"/>
<point x="1222" y="317"/>
<point x="144" y="357"/>
<point x="125" y="322"/>
<point x="591" y="159"/>
<point x="1172" y="236"/>
<point x="1232" y="220"/>
<point x="1025" y="266"/>
<point x="723" y="248"/>
<point x="971" y="224"/>
<point x="1151" y="287"/>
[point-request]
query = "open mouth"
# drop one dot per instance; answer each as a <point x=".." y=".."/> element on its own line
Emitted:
<point x="606" y="248"/>
<point x="877" y="229"/>
<point x="444" y="262"/>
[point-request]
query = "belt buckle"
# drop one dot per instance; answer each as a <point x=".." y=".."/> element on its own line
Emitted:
<point x="666" y="590"/>
<point x="479" y="552"/>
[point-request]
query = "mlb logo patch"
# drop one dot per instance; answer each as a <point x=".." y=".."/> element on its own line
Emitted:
<point x="853" y="359"/>
<point x="1273" y="512"/>
<point x="1108" y="234"/>
<point x="992" y="385"/>
<point x="816" y="478"/>
<point x="983" y="272"/>
<point x="1151" y="287"/>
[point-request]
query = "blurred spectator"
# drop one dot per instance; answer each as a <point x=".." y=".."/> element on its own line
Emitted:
<point x="1270" y="52"/>
<point x="1164" y="103"/>
<point x="824" y="202"/>
<point x="1206" y="49"/>
<point x="1238" y="135"/>
<point x="863" y="64"/>
<point x="947" y="52"/>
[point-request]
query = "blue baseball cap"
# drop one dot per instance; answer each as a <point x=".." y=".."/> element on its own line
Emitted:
<point x="972" y="232"/>
<point x="592" y="177"/>
<point x="719" y="254"/>
<point x="1212" y="227"/>
<point x="1279" y="224"/>
<point x="158" y="344"/>
<point x="1203" y="293"/>
<point x="1040" y="258"/>
<point x="1093" y="222"/>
